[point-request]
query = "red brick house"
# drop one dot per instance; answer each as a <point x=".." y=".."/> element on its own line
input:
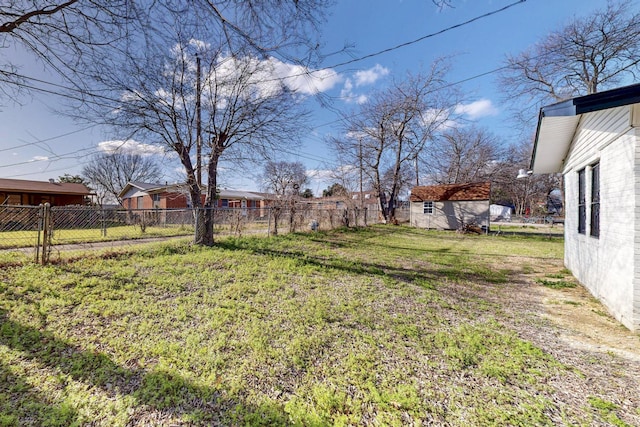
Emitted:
<point x="32" y="193"/>
<point x="142" y="195"/>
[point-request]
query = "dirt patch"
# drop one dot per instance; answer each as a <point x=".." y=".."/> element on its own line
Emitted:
<point x="585" y="323"/>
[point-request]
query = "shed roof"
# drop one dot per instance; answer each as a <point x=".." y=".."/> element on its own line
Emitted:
<point x="452" y="192"/>
<point x="557" y="124"/>
<point x="43" y="187"/>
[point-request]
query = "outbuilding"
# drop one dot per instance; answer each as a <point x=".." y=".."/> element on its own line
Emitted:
<point x="450" y="206"/>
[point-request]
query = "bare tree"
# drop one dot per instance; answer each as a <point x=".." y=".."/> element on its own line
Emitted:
<point x="149" y="86"/>
<point x="68" y="35"/>
<point x="284" y="178"/>
<point x="392" y="129"/>
<point x="58" y="34"/>
<point x="463" y="155"/>
<point x="587" y="54"/>
<point x="443" y="3"/>
<point x="525" y="195"/>
<point x="108" y="173"/>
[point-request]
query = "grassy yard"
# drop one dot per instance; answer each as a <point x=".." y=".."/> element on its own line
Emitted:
<point x="28" y="238"/>
<point x="378" y="326"/>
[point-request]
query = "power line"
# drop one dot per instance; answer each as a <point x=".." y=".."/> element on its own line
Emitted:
<point x="453" y="27"/>
<point x="49" y="139"/>
<point x="301" y="74"/>
<point x="310" y="74"/>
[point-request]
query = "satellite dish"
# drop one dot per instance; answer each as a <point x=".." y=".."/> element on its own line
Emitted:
<point x="523" y="173"/>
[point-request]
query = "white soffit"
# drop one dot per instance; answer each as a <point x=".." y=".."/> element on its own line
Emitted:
<point x="554" y="139"/>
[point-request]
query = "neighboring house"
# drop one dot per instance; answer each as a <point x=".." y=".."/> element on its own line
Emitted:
<point x="450" y="206"/>
<point x="33" y="193"/>
<point x="367" y="200"/>
<point x="142" y="195"/>
<point x="500" y="213"/>
<point x="594" y="141"/>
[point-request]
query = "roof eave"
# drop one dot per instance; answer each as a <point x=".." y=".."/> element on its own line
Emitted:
<point x="562" y="119"/>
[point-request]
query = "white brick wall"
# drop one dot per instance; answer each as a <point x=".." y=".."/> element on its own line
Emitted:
<point x="609" y="266"/>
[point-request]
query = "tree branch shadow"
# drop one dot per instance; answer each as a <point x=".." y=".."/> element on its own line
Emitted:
<point x="158" y="394"/>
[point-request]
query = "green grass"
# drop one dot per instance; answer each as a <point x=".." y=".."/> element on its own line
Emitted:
<point x="25" y="239"/>
<point x="377" y="326"/>
<point x="557" y="284"/>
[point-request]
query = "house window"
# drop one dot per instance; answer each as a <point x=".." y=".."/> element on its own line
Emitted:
<point x="582" y="204"/>
<point x="595" y="200"/>
<point x="427" y="208"/>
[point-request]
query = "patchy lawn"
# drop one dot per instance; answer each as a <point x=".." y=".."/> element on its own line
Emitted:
<point x="377" y="326"/>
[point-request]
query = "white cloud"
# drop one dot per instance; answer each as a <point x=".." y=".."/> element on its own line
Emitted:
<point x="39" y="159"/>
<point x="349" y="96"/>
<point x="199" y="45"/>
<point x="370" y="76"/>
<point x="320" y="174"/>
<point x="130" y="146"/>
<point x="361" y="78"/>
<point x="303" y="80"/>
<point x="477" y="109"/>
<point x="270" y="75"/>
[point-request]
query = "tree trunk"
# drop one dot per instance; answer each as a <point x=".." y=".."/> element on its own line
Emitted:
<point x="210" y="201"/>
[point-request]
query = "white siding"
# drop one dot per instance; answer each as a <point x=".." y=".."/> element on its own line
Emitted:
<point x="605" y="265"/>
<point x="636" y="232"/>
<point x="448" y="215"/>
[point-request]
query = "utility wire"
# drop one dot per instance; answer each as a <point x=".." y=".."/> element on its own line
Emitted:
<point x="310" y="74"/>
<point x="48" y="139"/>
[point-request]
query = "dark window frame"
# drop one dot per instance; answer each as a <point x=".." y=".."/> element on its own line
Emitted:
<point x="582" y="201"/>
<point x="428" y="207"/>
<point x="594" y="226"/>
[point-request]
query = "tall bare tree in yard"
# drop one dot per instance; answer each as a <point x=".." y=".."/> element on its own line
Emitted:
<point x="108" y="173"/>
<point x="393" y="127"/>
<point x="586" y="55"/>
<point x="462" y="155"/>
<point x="147" y="87"/>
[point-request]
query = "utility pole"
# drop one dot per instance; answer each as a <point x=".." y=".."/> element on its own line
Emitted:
<point x="198" y="126"/>
<point x="360" y="156"/>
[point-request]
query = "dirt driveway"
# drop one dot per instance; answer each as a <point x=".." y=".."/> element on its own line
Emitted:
<point x="570" y="324"/>
<point x="585" y="323"/>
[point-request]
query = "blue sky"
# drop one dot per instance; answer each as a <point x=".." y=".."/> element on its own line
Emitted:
<point x="369" y="26"/>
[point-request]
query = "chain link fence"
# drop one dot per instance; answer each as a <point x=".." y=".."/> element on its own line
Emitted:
<point x="45" y="231"/>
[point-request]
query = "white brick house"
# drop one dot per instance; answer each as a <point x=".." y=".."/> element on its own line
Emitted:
<point x="594" y="141"/>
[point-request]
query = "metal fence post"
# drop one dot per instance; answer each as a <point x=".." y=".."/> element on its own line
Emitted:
<point x="46" y="233"/>
<point x="103" y="218"/>
<point x="269" y="222"/>
<point x="40" y="229"/>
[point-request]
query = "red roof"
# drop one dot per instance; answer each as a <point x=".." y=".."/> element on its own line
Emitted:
<point x="452" y="192"/>
<point x="42" y="187"/>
